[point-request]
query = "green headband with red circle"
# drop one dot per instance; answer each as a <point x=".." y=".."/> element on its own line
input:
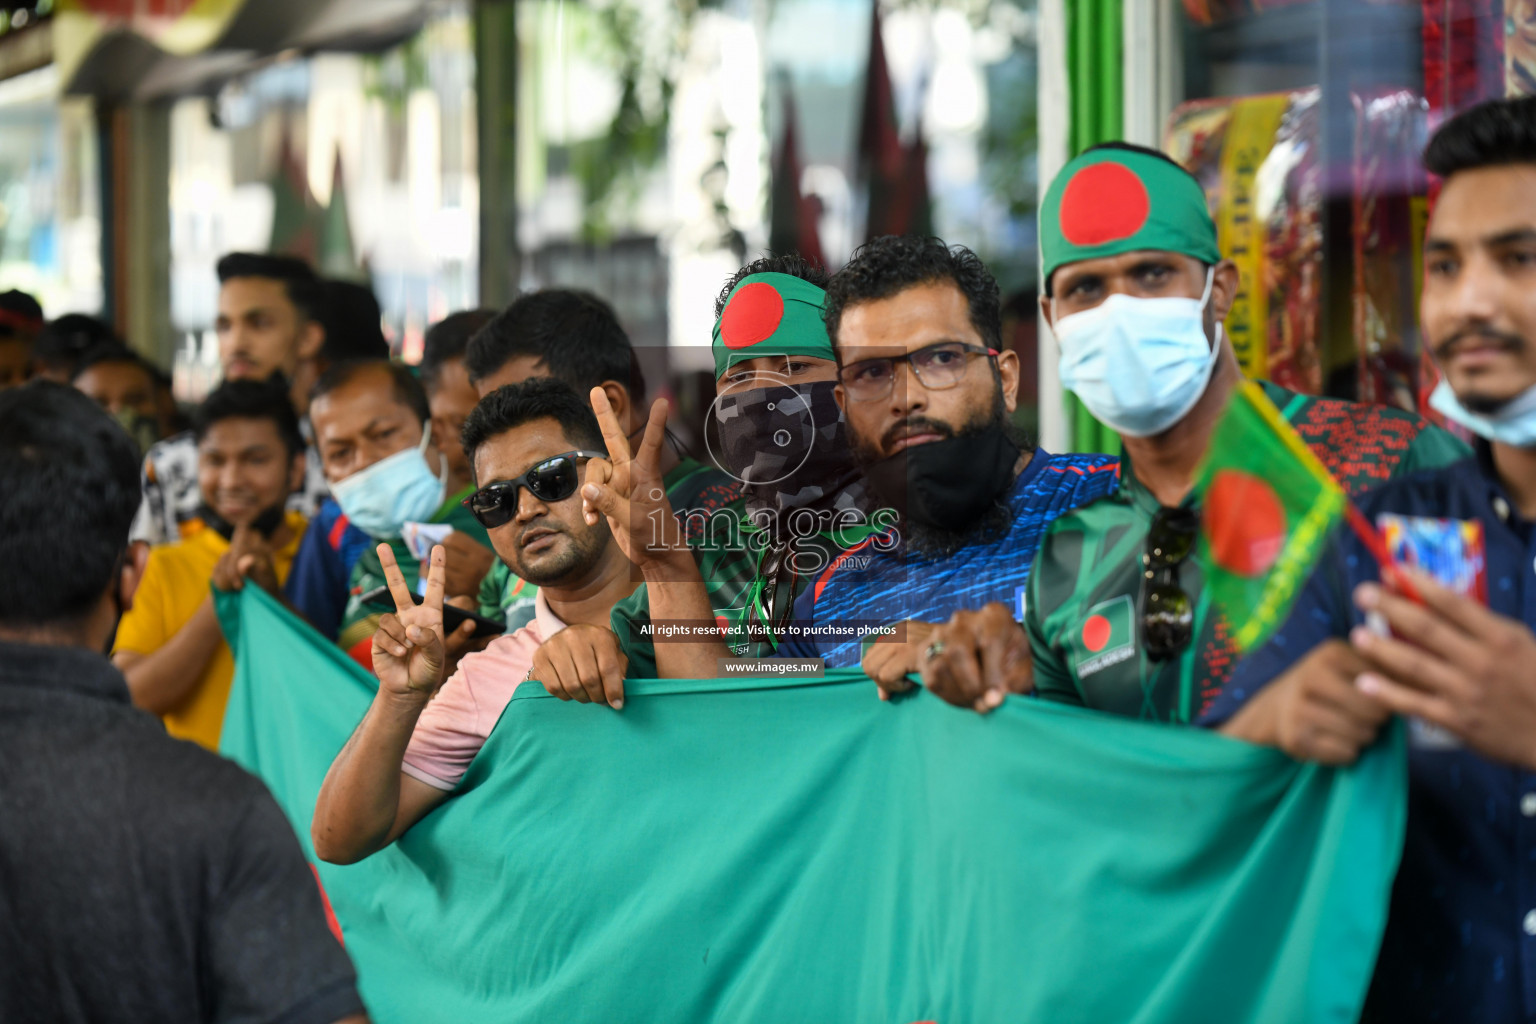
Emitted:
<point x="1108" y="202"/>
<point x="770" y="315"/>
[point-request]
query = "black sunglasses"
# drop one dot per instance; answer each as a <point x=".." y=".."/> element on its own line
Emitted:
<point x="554" y="479"/>
<point x="1167" y="614"/>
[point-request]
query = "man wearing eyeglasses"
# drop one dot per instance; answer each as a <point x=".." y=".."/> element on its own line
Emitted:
<point x="529" y="445"/>
<point x="927" y="392"/>
<point x="1136" y="291"/>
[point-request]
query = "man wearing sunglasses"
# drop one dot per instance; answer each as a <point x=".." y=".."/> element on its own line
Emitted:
<point x="529" y="445"/>
<point x="575" y="337"/>
<point x="928" y="392"/>
<point x="1136" y="291"/>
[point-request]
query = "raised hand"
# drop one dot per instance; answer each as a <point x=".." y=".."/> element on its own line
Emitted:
<point x="629" y="490"/>
<point x="249" y="555"/>
<point x="409" y="650"/>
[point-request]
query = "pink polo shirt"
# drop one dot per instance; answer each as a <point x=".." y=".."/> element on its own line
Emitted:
<point x="455" y="725"/>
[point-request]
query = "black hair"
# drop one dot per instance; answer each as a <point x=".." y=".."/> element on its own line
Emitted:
<point x="71" y="491"/>
<point x="255" y="400"/>
<point x="1492" y="134"/>
<point x="113" y="352"/>
<point x="449" y="339"/>
<point x="20" y="314"/>
<point x="893" y="263"/>
<point x="789" y="263"/>
<point x="62" y="342"/>
<point x="1131" y="147"/>
<point x="304" y="289"/>
<point x="574" y="333"/>
<point x="511" y="406"/>
<point x="408" y="390"/>
<point x="353" y="323"/>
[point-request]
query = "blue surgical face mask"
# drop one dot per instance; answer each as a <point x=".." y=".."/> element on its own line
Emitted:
<point x="401" y="489"/>
<point x="1139" y="365"/>
<point x="1513" y="424"/>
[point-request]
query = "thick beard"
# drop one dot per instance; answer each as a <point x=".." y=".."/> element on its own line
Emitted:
<point x="1483" y="405"/>
<point x="932" y="542"/>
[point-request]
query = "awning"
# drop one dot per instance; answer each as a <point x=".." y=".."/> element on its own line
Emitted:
<point x="147" y="49"/>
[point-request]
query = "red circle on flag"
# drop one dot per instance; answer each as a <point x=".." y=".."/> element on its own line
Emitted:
<point x="1096" y="633"/>
<point x="1244" y="522"/>
<point x="754" y="313"/>
<point x="1103" y="203"/>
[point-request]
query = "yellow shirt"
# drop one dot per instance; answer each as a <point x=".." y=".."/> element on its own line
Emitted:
<point x="176" y="582"/>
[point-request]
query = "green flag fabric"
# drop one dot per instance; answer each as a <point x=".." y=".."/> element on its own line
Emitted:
<point x="796" y="850"/>
<point x="1268" y="508"/>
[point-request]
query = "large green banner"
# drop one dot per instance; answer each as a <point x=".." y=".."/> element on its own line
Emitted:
<point x="784" y="851"/>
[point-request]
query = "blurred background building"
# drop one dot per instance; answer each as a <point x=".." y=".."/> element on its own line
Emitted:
<point x="453" y="152"/>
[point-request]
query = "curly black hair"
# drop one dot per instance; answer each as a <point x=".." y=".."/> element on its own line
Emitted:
<point x="893" y="263"/>
<point x="791" y="263"/>
<point x="1492" y="134"/>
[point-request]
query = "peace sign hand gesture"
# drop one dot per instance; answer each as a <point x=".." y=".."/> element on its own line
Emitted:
<point x="408" y="649"/>
<point x="629" y="490"/>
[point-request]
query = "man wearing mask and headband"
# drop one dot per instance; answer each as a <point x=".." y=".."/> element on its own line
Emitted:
<point x="371" y="427"/>
<point x="169" y="646"/>
<point x="1135" y="291"/>
<point x="928" y="392"/>
<point x="782" y="435"/>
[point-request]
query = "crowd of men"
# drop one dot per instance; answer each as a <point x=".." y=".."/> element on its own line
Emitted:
<point x="513" y="509"/>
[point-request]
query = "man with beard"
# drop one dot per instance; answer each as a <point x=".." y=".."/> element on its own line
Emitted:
<point x="270" y="325"/>
<point x="527" y="444"/>
<point x="1461" y="930"/>
<point x="169" y="646"/>
<point x="927" y="393"/>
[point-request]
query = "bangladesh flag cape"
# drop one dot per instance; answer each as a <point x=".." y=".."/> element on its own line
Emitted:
<point x="763" y="850"/>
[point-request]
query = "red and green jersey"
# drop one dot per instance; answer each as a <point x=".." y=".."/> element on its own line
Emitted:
<point x="1083" y="616"/>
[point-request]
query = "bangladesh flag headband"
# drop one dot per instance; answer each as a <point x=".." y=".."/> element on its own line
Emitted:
<point x="1113" y="201"/>
<point x="770" y="315"/>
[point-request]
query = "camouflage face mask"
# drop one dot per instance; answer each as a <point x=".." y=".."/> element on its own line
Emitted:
<point x="789" y="446"/>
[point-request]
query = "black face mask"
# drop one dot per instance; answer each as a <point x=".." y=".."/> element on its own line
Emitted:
<point x="790" y="448"/>
<point x="948" y="485"/>
<point x="265" y="524"/>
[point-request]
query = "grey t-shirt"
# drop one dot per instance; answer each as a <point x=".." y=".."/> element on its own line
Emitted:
<point x="142" y="878"/>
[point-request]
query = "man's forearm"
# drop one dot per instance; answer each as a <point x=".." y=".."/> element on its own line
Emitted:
<point x="162" y="679"/>
<point x="676" y="592"/>
<point x="359" y="803"/>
